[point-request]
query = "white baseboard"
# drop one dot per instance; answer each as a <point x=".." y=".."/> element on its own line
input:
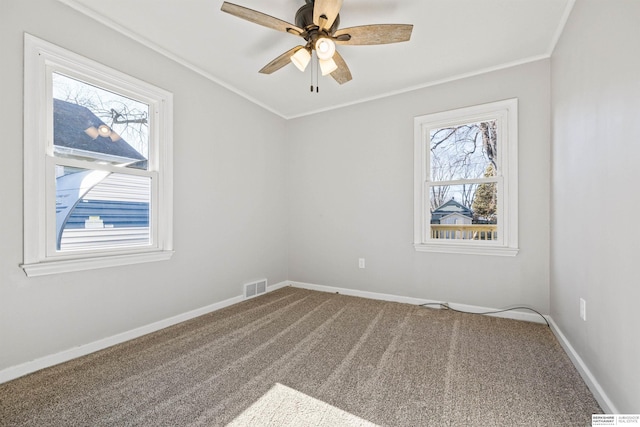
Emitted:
<point x="277" y="286"/>
<point x="517" y="315"/>
<point x="17" y="371"/>
<point x="363" y="294"/>
<point x="603" y="400"/>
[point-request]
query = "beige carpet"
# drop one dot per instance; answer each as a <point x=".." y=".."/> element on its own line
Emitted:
<point x="298" y="357"/>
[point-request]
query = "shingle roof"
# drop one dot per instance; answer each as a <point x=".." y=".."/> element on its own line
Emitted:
<point x="69" y="124"/>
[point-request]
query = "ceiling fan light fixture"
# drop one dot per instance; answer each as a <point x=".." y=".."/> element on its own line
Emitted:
<point x="301" y="59"/>
<point x="317" y="22"/>
<point x="327" y="66"/>
<point x="104" y="130"/>
<point x="92" y="131"/>
<point x="325" y="48"/>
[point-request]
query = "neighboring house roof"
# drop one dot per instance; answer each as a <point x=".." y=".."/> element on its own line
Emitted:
<point x="449" y="208"/>
<point x="69" y="124"/>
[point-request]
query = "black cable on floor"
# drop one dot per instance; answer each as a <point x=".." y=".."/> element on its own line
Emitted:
<point x="446" y="307"/>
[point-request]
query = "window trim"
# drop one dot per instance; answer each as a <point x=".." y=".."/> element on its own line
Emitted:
<point x="506" y="112"/>
<point x="40" y="59"/>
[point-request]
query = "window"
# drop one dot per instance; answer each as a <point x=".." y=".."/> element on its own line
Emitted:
<point x="97" y="165"/>
<point x="465" y="189"/>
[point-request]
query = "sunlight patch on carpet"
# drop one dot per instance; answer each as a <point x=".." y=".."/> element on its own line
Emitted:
<point x="283" y="406"/>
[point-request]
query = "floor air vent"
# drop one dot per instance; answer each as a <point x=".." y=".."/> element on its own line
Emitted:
<point x="255" y="288"/>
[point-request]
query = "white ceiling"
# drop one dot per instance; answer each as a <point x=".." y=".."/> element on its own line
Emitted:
<point x="451" y="39"/>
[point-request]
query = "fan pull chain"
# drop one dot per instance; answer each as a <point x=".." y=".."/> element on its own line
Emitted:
<point x="315" y="65"/>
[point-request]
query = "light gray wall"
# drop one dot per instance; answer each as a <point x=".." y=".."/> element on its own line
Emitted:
<point x="230" y="201"/>
<point x="351" y="196"/>
<point x="314" y="194"/>
<point x="596" y="154"/>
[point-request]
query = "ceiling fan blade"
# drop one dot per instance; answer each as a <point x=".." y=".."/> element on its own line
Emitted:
<point x="374" y="34"/>
<point x="260" y="18"/>
<point x="342" y="74"/>
<point x="280" y="61"/>
<point x="114" y="136"/>
<point x="328" y="9"/>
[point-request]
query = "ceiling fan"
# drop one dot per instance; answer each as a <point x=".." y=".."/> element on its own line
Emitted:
<point x="317" y="23"/>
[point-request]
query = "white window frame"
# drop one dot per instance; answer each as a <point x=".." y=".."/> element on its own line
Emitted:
<point x="41" y="60"/>
<point x="506" y="114"/>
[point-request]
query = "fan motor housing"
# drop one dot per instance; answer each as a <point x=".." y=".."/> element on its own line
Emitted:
<point x="304" y="18"/>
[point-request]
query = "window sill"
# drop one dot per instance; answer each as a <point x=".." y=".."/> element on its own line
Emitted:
<point x="466" y="249"/>
<point x="66" y="266"/>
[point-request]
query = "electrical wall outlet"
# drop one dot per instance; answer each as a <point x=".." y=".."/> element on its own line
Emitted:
<point x="360" y="262"/>
<point x="583" y="309"/>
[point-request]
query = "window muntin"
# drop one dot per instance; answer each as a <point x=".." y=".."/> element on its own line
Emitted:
<point x="466" y="180"/>
<point x="98" y="175"/>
